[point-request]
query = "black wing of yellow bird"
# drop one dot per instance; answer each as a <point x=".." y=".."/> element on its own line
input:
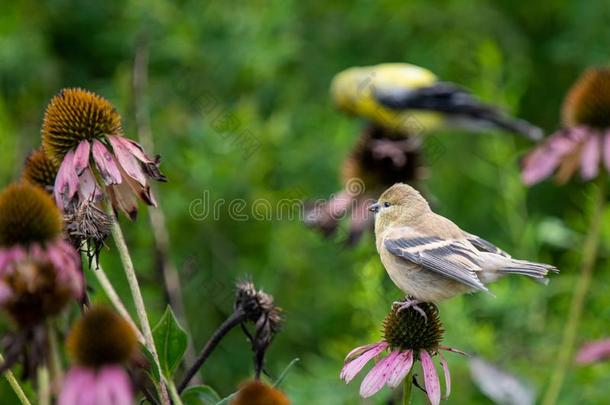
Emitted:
<point x="407" y="99"/>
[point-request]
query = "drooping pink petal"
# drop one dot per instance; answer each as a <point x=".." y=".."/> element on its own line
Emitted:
<point x="132" y="147"/>
<point x="606" y="150"/>
<point x="591" y="154"/>
<point x="113" y="386"/>
<point x="81" y="156"/>
<point x="447" y="375"/>
<point x="539" y="165"/>
<point x="88" y="189"/>
<point x="106" y="164"/>
<point x="358" y="351"/>
<point x="6" y="293"/>
<point x="378" y="376"/>
<point x="351" y="369"/>
<point x="66" y="181"/>
<point x="124" y="199"/>
<point x="592" y="352"/>
<point x="452" y="350"/>
<point x="402" y="366"/>
<point x="433" y="387"/>
<point x="143" y="192"/>
<point x="127" y="160"/>
<point x="78" y="388"/>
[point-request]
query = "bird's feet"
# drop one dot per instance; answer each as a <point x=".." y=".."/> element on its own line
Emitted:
<point x="410" y="303"/>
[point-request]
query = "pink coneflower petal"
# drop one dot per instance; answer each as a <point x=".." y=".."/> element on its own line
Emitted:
<point x="591" y="154"/>
<point x="81" y="157"/>
<point x="66" y="181"/>
<point x="433" y="387"/>
<point x="378" y="376"/>
<point x="88" y="189"/>
<point x="131" y="147"/>
<point x="358" y="351"/>
<point x="402" y="366"/>
<point x="539" y="165"/>
<point x="606" y="150"/>
<point x="78" y="388"/>
<point x="127" y="160"/>
<point x="351" y="369"/>
<point x="447" y="375"/>
<point x="113" y="386"/>
<point x="106" y="164"/>
<point x="124" y="199"/>
<point x="594" y="351"/>
<point x="6" y="293"/>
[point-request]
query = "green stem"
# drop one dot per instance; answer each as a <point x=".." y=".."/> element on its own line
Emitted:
<point x="132" y="280"/>
<point x="173" y="392"/>
<point x="10" y="377"/>
<point x="581" y="289"/>
<point x="57" y="373"/>
<point x="44" y="390"/>
<point x="407" y="387"/>
<point x="111" y="293"/>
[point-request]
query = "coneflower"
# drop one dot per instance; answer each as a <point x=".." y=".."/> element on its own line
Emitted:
<point x="82" y="134"/>
<point x="100" y="345"/>
<point x="408" y="337"/>
<point x="40" y="170"/>
<point x="39" y="271"/>
<point x="584" y="141"/>
<point x="258" y="393"/>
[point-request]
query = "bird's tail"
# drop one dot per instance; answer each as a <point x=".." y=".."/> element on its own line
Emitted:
<point x="509" y="124"/>
<point x="538" y="271"/>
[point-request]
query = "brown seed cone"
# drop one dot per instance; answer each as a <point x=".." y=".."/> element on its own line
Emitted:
<point x="40" y="170"/>
<point x="75" y="115"/>
<point x="258" y="393"/>
<point x="101" y="337"/>
<point x="28" y="215"/>
<point x="409" y="330"/>
<point x="588" y="101"/>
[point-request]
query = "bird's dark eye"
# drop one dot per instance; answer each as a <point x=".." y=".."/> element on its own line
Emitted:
<point x="386" y="204"/>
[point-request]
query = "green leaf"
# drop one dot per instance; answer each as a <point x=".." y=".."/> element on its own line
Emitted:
<point x="284" y="373"/>
<point x="226" y="400"/>
<point x="171" y="341"/>
<point x="200" y="395"/>
<point x="154" y="371"/>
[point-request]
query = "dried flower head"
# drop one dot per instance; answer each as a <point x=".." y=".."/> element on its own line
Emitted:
<point x="588" y="101"/>
<point x="40" y="170"/>
<point x="101" y="337"/>
<point x="82" y="133"/>
<point x="408" y="337"/>
<point x="584" y="142"/>
<point x="260" y="310"/>
<point x="258" y="393"/>
<point x="88" y="223"/>
<point x="27" y="215"/>
<point x="76" y="115"/>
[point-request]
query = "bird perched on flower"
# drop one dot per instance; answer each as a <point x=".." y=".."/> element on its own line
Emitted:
<point x="430" y="258"/>
<point x="400" y="102"/>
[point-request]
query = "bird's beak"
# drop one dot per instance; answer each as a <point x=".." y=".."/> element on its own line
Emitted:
<point x="374" y="208"/>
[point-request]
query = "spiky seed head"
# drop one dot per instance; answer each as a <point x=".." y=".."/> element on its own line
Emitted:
<point x="27" y="215"/>
<point x="75" y="115"/>
<point x="258" y="393"/>
<point x="40" y="170"/>
<point x="588" y="101"/>
<point x="409" y="330"/>
<point x="101" y="337"/>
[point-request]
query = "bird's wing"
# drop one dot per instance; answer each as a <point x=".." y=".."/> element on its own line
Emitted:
<point x="454" y="101"/>
<point x="484" y="246"/>
<point x="452" y="258"/>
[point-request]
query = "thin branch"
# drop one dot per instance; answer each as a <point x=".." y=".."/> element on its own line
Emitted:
<point x="235" y="319"/>
<point x="10" y="377"/>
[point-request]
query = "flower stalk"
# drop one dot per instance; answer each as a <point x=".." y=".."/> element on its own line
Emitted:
<point x="406" y="388"/>
<point x="132" y="280"/>
<point x="12" y="381"/>
<point x="590" y="249"/>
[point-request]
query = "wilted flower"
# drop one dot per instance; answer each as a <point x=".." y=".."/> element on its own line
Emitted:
<point x="40" y="170"/>
<point x="584" y="141"/>
<point x="82" y="133"/>
<point x="408" y="337"/>
<point x="258" y="393"/>
<point x="100" y="344"/>
<point x="592" y="352"/>
<point x="259" y="309"/>
<point x="39" y="271"/>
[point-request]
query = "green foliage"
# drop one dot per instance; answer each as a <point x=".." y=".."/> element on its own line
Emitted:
<point x="171" y="341"/>
<point x="200" y="395"/>
<point x="239" y="107"/>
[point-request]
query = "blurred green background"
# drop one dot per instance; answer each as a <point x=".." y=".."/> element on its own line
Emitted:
<point x="220" y="70"/>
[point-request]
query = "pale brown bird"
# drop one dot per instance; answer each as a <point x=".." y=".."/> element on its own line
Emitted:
<point x="430" y="258"/>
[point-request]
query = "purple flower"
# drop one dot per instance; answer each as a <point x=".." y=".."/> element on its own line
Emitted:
<point x="592" y="352"/>
<point x="584" y="142"/>
<point x="82" y="134"/>
<point x="408" y="338"/>
<point x="110" y="385"/>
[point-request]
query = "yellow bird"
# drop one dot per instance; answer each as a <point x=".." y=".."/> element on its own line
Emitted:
<point x="408" y="100"/>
